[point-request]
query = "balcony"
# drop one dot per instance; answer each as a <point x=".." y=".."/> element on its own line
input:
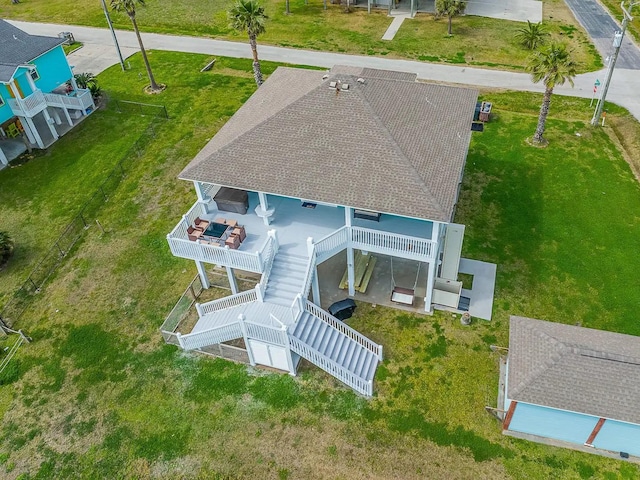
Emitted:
<point x="33" y="104"/>
<point x="406" y="237"/>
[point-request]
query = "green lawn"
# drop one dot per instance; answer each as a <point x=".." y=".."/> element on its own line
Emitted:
<point x="476" y="41"/>
<point x="98" y="395"/>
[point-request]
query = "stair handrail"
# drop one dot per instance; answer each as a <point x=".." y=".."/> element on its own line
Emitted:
<point x="209" y="334"/>
<point x="347" y="377"/>
<point x="356" y="336"/>
<point x="311" y="263"/>
<point x="230" y="301"/>
<point x="269" y="255"/>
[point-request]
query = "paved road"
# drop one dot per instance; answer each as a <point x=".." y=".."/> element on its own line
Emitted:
<point x="601" y="27"/>
<point x="98" y="53"/>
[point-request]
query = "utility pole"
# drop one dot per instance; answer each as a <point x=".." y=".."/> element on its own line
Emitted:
<point x="617" y="43"/>
<point x="113" y="33"/>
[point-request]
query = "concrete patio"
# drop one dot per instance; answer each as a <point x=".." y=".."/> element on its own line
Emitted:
<point x="404" y="271"/>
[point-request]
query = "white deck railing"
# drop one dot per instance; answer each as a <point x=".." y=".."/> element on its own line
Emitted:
<point x="205" y="338"/>
<point x="265" y="333"/>
<point x="357" y="337"/>
<point x="311" y="263"/>
<point x="28" y="106"/>
<point x="228" y="302"/>
<point x="359" y="384"/>
<point x="81" y="101"/>
<point x="333" y="243"/>
<point x="392" y="243"/>
<point x="268" y="255"/>
<point x="181" y="246"/>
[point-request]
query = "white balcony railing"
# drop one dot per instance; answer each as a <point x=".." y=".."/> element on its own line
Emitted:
<point x="28" y="106"/>
<point x="80" y="101"/>
<point x="181" y="246"/>
<point x="392" y="244"/>
<point x="333" y="243"/>
<point x="221" y="334"/>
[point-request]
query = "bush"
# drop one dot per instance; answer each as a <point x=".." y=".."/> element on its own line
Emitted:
<point x="89" y="81"/>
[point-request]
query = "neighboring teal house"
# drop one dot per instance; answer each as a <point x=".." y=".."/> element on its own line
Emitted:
<point x="39" y="99"/>
<point x="577" y="386"/>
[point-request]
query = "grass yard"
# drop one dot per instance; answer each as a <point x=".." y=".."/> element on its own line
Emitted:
<point x="476" y="41"/>
<point x="98" y="395"/>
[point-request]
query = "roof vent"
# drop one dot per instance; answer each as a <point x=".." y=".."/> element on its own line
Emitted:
<point x="325" y="76"/>
<point x="360" y="80"/>
<point x="333" y="84"/>
<point x="344" y="86"/>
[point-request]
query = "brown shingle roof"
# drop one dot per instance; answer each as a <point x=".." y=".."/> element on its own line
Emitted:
<point x="574" y="368"/>
<point x="385" y="145"/>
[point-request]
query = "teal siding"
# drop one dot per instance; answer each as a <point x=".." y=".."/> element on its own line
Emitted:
<point x="552" y="423"/>
<point x="20" y="78"/>
<point x="619" y="437"/>
<point x="53" y="69"/>
<point x="5" y="110"/>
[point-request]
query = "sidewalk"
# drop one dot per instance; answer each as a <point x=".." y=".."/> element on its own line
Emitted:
<point x="624" y="89"/>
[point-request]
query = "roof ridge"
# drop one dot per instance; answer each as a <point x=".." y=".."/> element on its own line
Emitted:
<point x="421" y="184"/>
<point x="561" y="350"/>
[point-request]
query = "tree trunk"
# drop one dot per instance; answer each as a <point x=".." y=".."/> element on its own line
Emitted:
<point x="542" y="119"/>
<point x="450" y="25"/>
<point x="152" y="81"/>
<point x="287" y="11"/>
<point x="257" y="73"/>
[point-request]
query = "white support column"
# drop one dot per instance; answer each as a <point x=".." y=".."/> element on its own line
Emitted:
<point x="31" y="83"/>
<point x="264" y="206"/>
<point x="56" y="116"/>
<point x="315" y="286"/>
<point x="285" y="335"/>
<point x="350" y="272"/>
<point x="3" y="158"/>
<point x="49" y="121"/>
<point x="31" y="126"/>
<point x="203" y="199"/>
<point x="232" y="280"/>
<point x="274" y="236"/>
<point x="203" y="274"/>
<point x="67" y="116"/>
<point x="27" y="131"/>
<point x="73" y="83"/>
<point x="431" y="270"/>
<point x="243" y="327"/>
<point x="14" y="90"/>
<point x="348" y="213"/>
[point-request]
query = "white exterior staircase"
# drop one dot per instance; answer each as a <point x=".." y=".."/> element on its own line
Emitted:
<point x="314" y="335"/>
<point x="288" y="273"/>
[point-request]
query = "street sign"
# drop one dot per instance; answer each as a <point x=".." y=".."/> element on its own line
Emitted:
<point x="597" y="83"/>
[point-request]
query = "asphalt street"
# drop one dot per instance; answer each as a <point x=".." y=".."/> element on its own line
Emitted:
<point x="601" y="28"/>
<point x="99" y="53"/>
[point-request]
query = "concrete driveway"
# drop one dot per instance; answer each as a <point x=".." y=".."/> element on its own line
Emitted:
<point x="601" y="27"/>
<point x="516" y="10"/>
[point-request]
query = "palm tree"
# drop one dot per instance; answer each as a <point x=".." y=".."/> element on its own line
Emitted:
<point x="532" y="35"/>
<point x="6" y="247"/>
<point x="450" y="8"/>
<point x="129" y="7"/>
<point x="552" y="65"/>
<point x="248" y="16"/>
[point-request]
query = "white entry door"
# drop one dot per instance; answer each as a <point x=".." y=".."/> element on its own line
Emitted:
<point x="269" y="355"/>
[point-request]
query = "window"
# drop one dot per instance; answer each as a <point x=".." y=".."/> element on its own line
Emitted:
<point x="34" y="74"/>
<point x="1" y="101"/>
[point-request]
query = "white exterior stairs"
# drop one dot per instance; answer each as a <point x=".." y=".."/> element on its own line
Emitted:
<point x="288" y="273"/>
<point x="336" y="345"/>
<point x="316" y="336"/>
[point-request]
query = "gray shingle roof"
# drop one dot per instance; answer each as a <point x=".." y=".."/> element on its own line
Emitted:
<point x="18" y="47"/>
<point x="574" y="368"/>
<point x="386" y="145"/>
